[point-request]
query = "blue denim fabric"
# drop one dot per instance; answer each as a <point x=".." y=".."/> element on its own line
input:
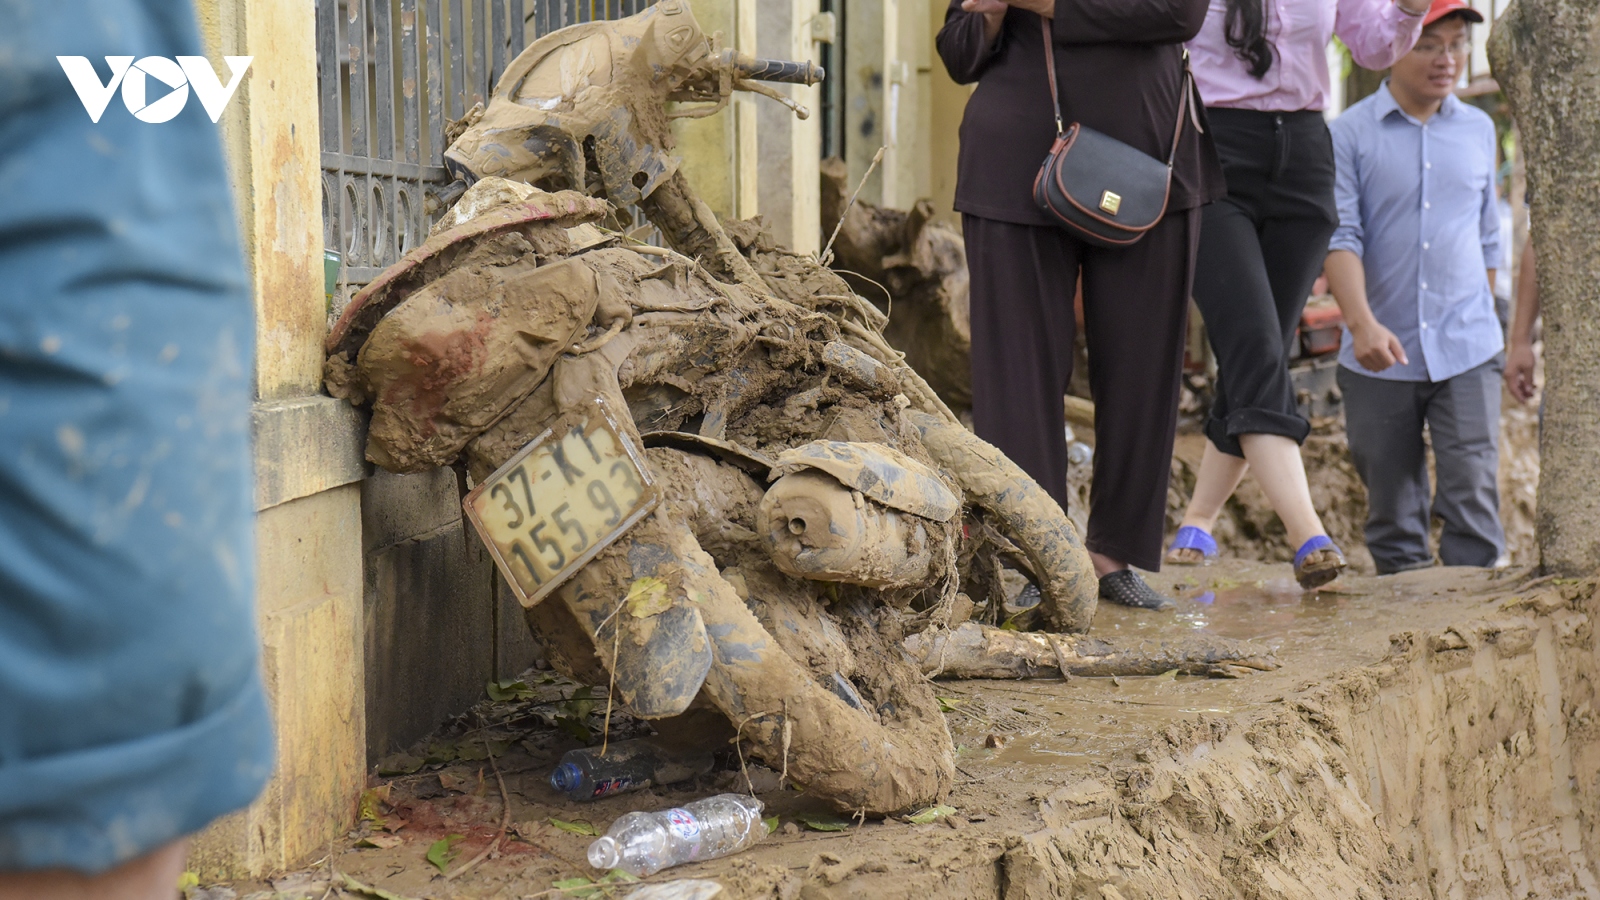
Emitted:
<point x="131" y="705"/>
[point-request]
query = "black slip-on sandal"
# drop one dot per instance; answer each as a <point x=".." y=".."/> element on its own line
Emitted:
<point x="1128" y="589"/>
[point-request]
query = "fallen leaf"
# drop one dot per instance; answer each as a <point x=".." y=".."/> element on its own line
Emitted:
<point x="930" y="814"/>
<point x="475" y="750"/>
<point x="513" y="689"/>
<point x="440" y="752"/>
<point x="948" y="704"/>
<point x="822" y="821"/>
<point x="399" y="764"/>
<point x="771" y="823"/>
<point x="372" y="800"/>
<point x="352" y="886"/>
<point x="575" y="728"/>
<point x="578" y="827"/>
<point x="461" y="784"/>
<point x="582" y="887"/>
<point x="380" y="841"/>
<point x="188" y="880"/>
<point x="440" y="854"/>
<point x="647" y="597"/>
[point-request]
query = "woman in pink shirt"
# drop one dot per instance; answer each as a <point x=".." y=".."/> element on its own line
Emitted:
<point x="1262" y="70"/>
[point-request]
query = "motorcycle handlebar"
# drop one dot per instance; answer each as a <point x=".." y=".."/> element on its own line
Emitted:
<point x="754" y="69"/>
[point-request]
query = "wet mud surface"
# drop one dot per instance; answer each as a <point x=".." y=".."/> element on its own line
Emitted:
<point x="1430" y="734"/>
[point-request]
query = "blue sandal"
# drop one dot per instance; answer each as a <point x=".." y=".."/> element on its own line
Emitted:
<point x="1318" y="562"/>
<point x="1191" y="538"/>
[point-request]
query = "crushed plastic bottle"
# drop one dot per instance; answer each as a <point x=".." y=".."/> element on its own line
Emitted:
<point x="585" y="775"/>
<point x="644" y="843"/>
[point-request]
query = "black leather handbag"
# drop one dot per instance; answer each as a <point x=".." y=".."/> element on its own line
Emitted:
<point x="1101" y="190"/>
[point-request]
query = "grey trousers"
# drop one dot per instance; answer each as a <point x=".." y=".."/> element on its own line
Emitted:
<point x="1384" y="421"/>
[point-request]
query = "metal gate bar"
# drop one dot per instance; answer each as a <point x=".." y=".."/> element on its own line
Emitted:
<point x="391" y="74"/>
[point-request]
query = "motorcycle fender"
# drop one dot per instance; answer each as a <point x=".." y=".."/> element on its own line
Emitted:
<point x="662" y="661"/>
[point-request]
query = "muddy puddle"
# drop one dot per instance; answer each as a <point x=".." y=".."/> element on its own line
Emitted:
<point x="1429" y="735"/>
<point x="1091" y="720"/>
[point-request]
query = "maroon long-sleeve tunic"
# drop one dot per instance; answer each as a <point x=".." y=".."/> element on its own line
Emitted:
<point x="1120" y="65"/>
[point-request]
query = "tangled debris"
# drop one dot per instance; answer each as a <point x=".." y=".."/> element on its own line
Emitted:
<point x="818" y="503"/>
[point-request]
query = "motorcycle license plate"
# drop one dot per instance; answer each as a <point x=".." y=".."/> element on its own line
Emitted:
<point x="566" y="496"/>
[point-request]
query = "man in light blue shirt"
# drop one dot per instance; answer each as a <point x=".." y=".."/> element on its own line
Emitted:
<point x="1412" y="266"/>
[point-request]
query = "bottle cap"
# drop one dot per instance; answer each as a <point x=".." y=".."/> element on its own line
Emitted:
<point x="566" y="777"/>
<point x="603" y="853"/>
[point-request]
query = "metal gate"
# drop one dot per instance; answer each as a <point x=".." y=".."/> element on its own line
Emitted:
<point x="390" y="75"/>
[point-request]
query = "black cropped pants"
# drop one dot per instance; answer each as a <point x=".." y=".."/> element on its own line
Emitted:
<point x="1261" y="248"/>
<point x="1135" y="309"/>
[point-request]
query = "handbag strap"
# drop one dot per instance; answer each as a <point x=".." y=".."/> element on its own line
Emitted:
<point x="1184" y="110"/>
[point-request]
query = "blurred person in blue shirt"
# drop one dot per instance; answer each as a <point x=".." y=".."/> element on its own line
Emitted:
<point x="131" y="706"/>
<point x="1412" y="266"/>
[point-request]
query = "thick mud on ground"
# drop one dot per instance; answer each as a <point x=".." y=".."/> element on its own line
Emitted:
<point x="1430" y="735"/>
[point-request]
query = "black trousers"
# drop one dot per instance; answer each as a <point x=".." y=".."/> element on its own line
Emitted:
<point x="1261" y="248"/>
<point x="1135" y="307"/>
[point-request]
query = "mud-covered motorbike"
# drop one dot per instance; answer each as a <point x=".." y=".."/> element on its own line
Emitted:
<point x="711" y="482"/>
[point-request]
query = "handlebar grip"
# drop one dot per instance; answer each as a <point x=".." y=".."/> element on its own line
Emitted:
<point x="779" y="70"/>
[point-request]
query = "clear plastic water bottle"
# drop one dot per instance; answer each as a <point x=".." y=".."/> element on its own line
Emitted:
<point x="644" y="843"/>
<point x="585" y="775"/>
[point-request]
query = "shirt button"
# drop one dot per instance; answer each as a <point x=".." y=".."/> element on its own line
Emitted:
<point x="1427" y="165"/>
<point x="1427" y="205"/>
<point x="1424" y="245"/>
<point x="1424" y="326"/>
<point x="1424" y="285"/>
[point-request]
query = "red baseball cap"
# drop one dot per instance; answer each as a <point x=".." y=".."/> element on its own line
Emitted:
<point x="1442" y="8"/>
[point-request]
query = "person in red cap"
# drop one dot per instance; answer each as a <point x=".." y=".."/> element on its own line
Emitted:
<point x="1412" y="267"/>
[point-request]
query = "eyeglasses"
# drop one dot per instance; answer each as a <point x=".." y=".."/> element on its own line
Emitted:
<point x="1436" y="49"/>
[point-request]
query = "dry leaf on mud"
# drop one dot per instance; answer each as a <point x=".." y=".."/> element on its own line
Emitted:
<point x="399" y="764"/>
<point x="822" y="821"/>
<point x="351" y="886"/>
<point x="512" y="689"/>
<point x="578" y="827"/>
<point x="440" y="854"/>
<point x="372" y="800"/>
<point x="476" y="750"/>
<point x="380" y="841"/>
<point x="930" y="814"/>
<point x="647" y="597"/>
<point x="461" y="784"/>
<point x="582" y="886"/>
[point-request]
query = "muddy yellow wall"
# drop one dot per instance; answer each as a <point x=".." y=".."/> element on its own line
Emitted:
<point x="789" y="148"/>
<point x="947" y="102"/>
<point x="897" y="96"/>
<point x="308" y="456"/>
<point x="720" y="152"/>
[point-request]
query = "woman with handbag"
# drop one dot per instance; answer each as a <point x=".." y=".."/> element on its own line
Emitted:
<point x="1119" y="201"/>
<point x="1262" y="70"/>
